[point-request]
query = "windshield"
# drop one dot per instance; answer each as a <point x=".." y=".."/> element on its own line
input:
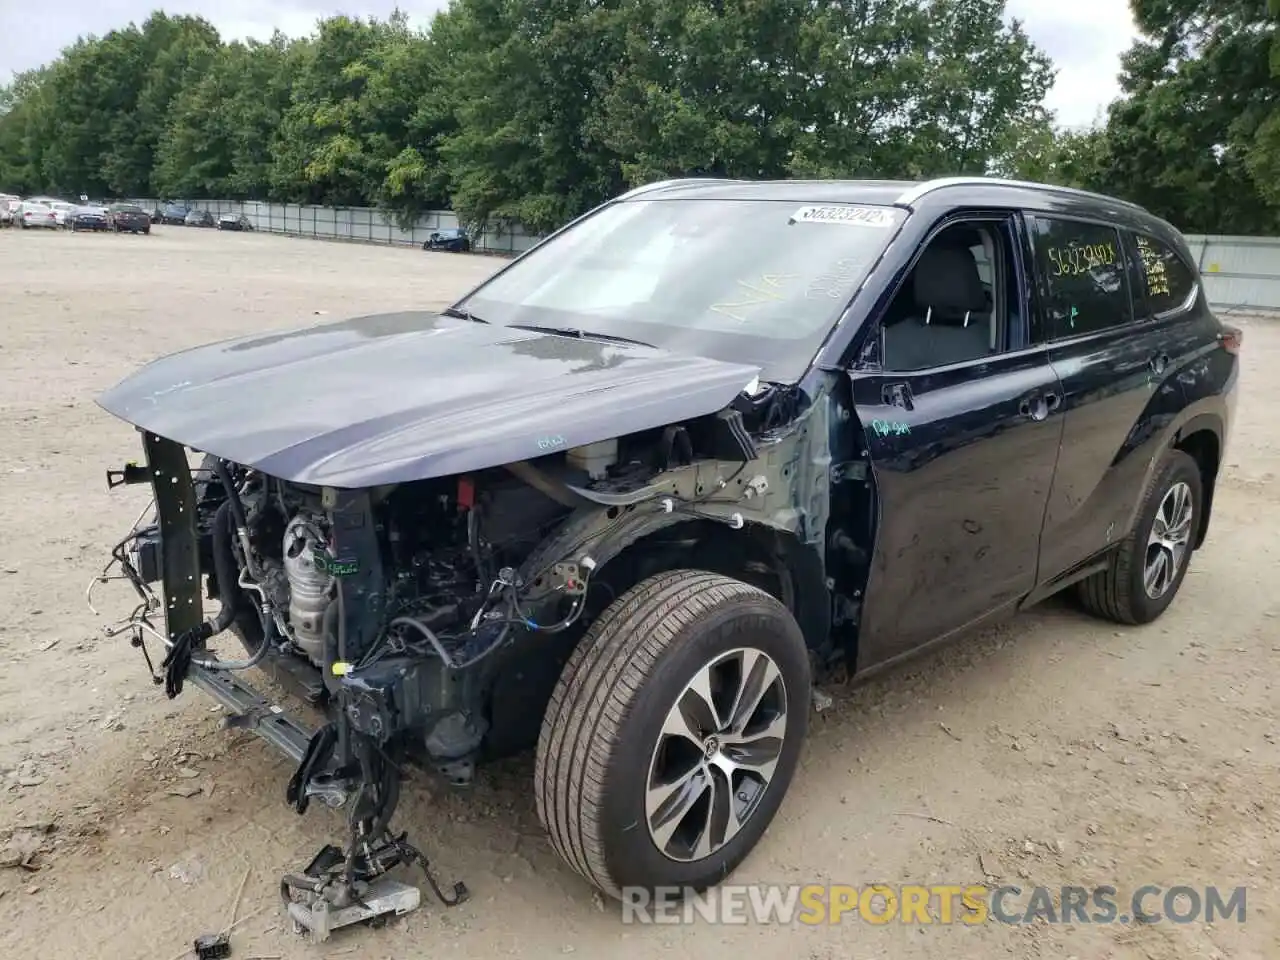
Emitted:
<point x="748" y="281"/>
<point x="126" y="208"/>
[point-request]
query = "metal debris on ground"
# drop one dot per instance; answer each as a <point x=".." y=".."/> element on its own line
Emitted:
<point x="212" y="946"/>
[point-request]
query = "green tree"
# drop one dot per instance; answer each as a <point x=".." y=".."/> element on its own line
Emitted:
<point x="1037" y="149"/>
<point x="534" y="110"/>
<point x="1194" y="138"/>
<point x="21" y="103"/>
<point x="562" y="103"/>
<point x="221" y="127"/>
<point x="1263" y="159"/>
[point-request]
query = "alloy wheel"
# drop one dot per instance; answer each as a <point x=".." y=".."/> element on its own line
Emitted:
<point x="1168" y="541"/>
<point x="716" y="754"/>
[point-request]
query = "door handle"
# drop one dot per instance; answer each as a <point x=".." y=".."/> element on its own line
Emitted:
<point x="1159" y="363"/>
<point x="898" y="395"/>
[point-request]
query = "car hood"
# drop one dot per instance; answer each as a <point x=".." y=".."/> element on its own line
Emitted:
<point x="407" y="396"/>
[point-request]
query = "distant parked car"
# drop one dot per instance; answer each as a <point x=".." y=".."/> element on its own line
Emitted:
<point x="32" y="213"/>
<point x="89" y="217"/>
<point x="62" y="213"/>
<point x="233" y="221"/>
<point x="198" y="218"/>
<point x="8" y="204"/>
<point x="128" y="218"/>
<point x="173" y="213"/>
<point x="452" y="239"/>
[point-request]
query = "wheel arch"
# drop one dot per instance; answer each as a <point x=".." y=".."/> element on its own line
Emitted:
<point x="1201" y="439"/>
<point x="773" y="559"/>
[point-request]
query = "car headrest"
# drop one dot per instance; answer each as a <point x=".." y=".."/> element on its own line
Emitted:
<point x="947" y="285"/>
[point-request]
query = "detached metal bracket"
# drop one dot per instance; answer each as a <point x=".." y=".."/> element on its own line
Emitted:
<point x="131" y="474"/>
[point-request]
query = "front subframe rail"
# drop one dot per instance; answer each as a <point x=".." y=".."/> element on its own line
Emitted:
<point x="253" y="712"/>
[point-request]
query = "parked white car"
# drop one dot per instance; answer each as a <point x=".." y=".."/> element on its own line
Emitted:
<point x="8" y="203"/>
<point x="34" y="214"/>
<point x="63" y="212"/>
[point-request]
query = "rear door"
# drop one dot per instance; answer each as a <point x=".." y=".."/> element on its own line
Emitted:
<point x="963" y="453"/>
<point x="1100" y="291"/>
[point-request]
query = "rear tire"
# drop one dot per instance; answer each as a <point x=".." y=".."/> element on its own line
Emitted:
<point x="627" y="721"/>
<point x="1146" y="571"/>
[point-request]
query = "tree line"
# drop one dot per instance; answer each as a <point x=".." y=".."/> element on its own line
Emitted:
<point x="532" y="111"/>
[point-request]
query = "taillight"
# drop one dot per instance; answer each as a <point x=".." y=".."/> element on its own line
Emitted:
<point x="1231" y="339"/>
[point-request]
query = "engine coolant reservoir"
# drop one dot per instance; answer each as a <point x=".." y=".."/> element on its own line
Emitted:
<point x="595" y="458"/>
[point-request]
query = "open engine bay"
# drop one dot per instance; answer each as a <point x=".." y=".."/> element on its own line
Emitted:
<point x="427" y="621"/>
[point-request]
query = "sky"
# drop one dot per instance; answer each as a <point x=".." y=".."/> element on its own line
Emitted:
<point x="1084" y="37"/>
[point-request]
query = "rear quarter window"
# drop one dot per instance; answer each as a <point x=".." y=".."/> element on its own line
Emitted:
<point x="1165" y="280"/>
<point x="1082" y="277"/>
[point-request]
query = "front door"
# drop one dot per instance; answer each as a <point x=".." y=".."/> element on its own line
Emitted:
<point x="963" y="437"/>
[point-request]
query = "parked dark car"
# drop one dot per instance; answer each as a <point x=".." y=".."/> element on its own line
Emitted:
<point x="451" y="239"/>
<point x="199" y="218"/>
<point x="89" y="216"/>
<point x="233" y="221"/>
<point x="128" y="218"/>
<point x="174" y="214"/>
<point x="626" y="499"/>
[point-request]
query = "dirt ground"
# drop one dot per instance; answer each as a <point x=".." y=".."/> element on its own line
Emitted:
<point x="1054" y="750"/>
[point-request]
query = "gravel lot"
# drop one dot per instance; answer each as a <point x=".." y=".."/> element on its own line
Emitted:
<point x="1054" y="750"/>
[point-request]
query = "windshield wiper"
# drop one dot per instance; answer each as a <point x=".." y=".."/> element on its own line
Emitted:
<point x="579" y="334"/>
<point x="462" y="315"/>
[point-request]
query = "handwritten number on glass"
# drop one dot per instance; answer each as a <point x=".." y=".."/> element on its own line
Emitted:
<point x="1153" y="269"/>
<point x="1075" y="260"/>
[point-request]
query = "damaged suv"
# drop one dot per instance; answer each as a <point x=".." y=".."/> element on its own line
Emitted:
<point x="627" y="499"/>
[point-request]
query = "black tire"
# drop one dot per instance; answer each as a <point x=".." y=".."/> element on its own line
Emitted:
<point x="1119" y="593"/>
<point x="603" y="724"/>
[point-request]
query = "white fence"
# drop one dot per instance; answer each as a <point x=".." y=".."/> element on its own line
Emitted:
<point x="360" y="224"/>
<point x="1239" y="272"/>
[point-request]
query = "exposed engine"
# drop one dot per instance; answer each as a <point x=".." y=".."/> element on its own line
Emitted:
<point x="310" y="583"/>
<point x="447" y="549"/>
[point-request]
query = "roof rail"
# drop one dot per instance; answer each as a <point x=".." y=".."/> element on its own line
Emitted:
<point x="918" y="191"/>
<point x="674" y="181"/>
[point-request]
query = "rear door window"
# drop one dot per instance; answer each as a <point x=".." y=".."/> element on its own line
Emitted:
<point x="1083" y="283"/>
